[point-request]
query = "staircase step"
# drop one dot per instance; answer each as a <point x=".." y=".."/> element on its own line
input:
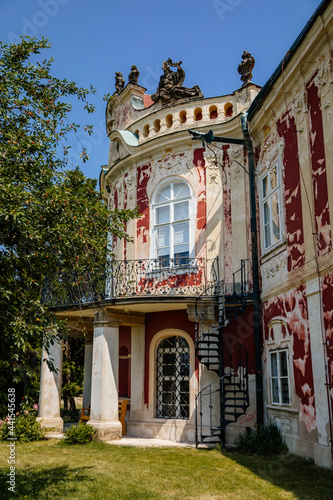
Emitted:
<point x="212" y="441"/>
<point x="207" y="343"/>
<point x="212" y="434"/>
<point x="206" y="356"/>
<point x="228" y="398"/>
<point x="212" y="357"/>
<point x="209" y="346"/>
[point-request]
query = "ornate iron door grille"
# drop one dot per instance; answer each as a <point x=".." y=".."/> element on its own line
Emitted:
<point x="173" y="378"/>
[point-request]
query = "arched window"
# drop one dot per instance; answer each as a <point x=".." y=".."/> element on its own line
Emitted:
<point x="173" y="378"/>
<point x="172" y="232"/>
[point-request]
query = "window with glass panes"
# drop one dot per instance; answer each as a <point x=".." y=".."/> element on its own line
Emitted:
<point x="279" y="377"/>
<point x="172" y="223"/>
<point x="173" y="378"/>
<point x="271" y="207"/>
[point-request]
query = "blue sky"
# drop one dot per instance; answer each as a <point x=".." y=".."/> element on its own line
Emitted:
<point x="91" y="40"/>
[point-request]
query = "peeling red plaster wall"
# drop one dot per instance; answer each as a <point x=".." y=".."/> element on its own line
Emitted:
<point x="319" y="179"/>
<point x="158" y="321"/>
<point x="227" y="222"/>
<point x="241" y="330"/>
<point x="125" y="207"/>
<point x="199" y="162"/>
<point x="115" y="239"/>
<point x="293" y="307"/>
<point x="286" y="128"/>
<point x="142" y="226"/>
<point x="327" y="284"/>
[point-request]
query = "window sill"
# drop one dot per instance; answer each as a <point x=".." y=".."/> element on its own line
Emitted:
<point x="273" y="251"/>
<point x="282" y="408"/>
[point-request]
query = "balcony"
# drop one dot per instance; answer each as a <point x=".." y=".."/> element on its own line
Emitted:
<point x="134" y="280"/>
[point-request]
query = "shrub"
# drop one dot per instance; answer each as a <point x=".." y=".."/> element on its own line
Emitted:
<point x="79" y="434"/>
<point x="25" y="428"/>
<point x="265" y="440"/>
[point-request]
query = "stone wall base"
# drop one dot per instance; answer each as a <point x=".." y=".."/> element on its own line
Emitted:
<point x="55" y="425"/>
<point x="320" y="453"/>
<point x="106" y="430"/>
<point x="172" y="430"/>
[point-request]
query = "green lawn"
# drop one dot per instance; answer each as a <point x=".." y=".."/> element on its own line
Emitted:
<point x="50" y="470"/>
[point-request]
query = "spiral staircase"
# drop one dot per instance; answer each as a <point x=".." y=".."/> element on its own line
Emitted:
<point x="226" y="398"/>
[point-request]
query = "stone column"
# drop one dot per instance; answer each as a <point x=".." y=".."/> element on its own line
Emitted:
<point x="322" y="450"/>
<point x="104" y="382"/>
<point x="137" y="372"/>
<point x="88" y="351"/>
<point x="50" y="390"/>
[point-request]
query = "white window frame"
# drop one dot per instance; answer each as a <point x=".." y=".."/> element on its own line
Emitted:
<point x="268" y="198"/>
<point x="191" y="219"/>
<point x="279" y="377"/>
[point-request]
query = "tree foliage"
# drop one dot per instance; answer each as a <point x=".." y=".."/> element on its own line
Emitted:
<point x="53" y="221"/>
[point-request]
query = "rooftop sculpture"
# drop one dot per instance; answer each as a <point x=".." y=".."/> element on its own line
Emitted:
<point x="120" y="83"/>
<point x="133" y="77"/>
<point x="170" y="88"/>
<point x="245" y="68"/>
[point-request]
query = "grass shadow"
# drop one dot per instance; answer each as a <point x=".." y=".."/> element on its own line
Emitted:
<point x="288" y="472"/>
<point x="48" y="483"/>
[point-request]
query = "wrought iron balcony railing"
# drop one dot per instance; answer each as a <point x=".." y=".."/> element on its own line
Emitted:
<point x="134" y="279"/>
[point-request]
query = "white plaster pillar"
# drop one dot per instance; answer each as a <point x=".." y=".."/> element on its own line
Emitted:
<point x="322" y="450"/>
<point x="104" y="381"/>
<point x="88" y="351"/>
<point x="50" y="390"/>
<point x="137" y="372"/>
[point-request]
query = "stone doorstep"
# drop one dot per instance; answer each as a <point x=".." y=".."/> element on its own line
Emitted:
<point x="137" y="442"/>
<point x="150" y="443"/>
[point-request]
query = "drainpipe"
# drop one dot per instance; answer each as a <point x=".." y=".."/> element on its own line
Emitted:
<point x="255" y="273"/>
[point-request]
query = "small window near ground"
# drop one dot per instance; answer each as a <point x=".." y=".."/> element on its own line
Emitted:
<point x="279" y="375"/>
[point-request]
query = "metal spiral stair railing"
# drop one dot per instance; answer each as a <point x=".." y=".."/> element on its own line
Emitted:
<point x="218" y="352"/>
<point x="235" y="400"/>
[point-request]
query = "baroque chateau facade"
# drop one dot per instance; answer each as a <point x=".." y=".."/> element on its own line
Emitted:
<point x="176" y="331"/>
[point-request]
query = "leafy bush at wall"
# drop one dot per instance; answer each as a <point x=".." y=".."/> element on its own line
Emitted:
<point x="264" y="440"/>
<point x="79" y="434"/>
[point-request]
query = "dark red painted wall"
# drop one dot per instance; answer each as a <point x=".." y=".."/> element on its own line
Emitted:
<point x="318" y="162"/>
<point x="124" y="378"/>
<point x="143" y="202"/>
<point x="240" y="330"/>
<point x="286" y="128"/>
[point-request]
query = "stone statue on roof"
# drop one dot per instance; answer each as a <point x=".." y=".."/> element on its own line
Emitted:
<point x="120" y="82"/>
<point x="170" y="88"/>
<point x="133" y="77"/>
<point x="245" y="68"/>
